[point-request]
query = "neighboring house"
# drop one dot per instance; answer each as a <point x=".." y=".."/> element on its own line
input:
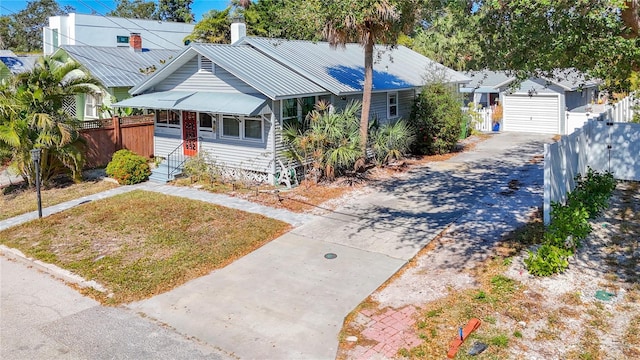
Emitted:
<point x="231" y="101"/>
<point x="108" y="31"/>
<point x="11" y="64"/>
<point x="118" y="68"/>
<point x="537" y="105"/>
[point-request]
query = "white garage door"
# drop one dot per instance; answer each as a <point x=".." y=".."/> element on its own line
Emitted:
<point x="536" y="114"/>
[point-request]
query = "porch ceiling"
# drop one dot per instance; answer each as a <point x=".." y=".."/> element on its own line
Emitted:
<point x="202" y="101"/>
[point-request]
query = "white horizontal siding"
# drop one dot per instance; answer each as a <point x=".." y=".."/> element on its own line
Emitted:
<point x="163" y="144"/>
<point x="239" y="155"/>
<point x="406" y="99"/>
<point x="189" y="78"/>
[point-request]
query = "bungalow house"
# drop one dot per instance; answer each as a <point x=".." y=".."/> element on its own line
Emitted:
<point x="231" y="101"/>
<point x="536" y="105"/>
<point x="117" y="68"/>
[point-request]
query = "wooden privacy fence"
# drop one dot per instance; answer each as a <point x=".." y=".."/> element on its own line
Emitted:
<point x="105" y="136"/>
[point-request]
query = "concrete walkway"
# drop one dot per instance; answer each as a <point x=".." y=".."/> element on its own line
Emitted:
<point x="286" y="300"/>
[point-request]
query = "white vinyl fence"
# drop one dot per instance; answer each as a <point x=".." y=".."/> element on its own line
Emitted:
<point x="608" y="143"/>
<point x="481" y="118"/>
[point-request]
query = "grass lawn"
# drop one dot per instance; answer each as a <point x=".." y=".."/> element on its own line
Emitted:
<point x="140" y="244"/>
<point x="18" y="200"/>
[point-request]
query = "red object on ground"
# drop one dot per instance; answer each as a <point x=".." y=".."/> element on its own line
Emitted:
<point x="472" y="326"/>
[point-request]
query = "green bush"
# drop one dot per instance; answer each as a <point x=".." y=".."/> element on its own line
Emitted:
<point x="570" y="223"/>
<point x="437" y="117"/>
<point x="391" y="141"/>
<point x="128" y="168"/>
<point x="548" y="260"/>
<point x="569" y="226"/>
<point x="593" y="191"/>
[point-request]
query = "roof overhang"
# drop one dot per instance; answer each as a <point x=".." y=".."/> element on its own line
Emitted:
<point x="201" y="101"/>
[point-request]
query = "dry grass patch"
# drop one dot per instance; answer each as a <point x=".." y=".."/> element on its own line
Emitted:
<point x="18" y="200"/>
<point x="140" y="243"/>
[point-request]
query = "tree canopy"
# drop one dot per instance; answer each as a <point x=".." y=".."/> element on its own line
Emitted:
<point x="135" y="9"/>
<point x="175" y="10"/>
<point x="537" y="36"/>
<point x="22" y="31"/>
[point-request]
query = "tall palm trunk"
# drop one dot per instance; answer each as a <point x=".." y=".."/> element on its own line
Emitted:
<point x="366" y="92"/>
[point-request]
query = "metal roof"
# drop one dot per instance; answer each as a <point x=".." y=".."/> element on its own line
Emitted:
<point x="118" y="66"/>
<point x="259" y="71"/>
<point x="214" y="102"/>
<point x="486" y="81"/>
<point x="341" y="70"/>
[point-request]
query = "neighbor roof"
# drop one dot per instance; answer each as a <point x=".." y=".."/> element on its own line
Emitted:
<point x="341" y="70"/>
<point x="485" y="81"/>
<point x="118" y="66"/>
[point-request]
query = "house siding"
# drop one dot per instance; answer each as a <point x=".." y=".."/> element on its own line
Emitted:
<point x="189" y="78"/>
<point x="165" y="143"/>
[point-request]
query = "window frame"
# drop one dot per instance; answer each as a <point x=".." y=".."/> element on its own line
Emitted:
<point x="209" y="132"/>
<point x="168" y="124"/>
<point x="241" y="121"/>
<point x="299" y="106"/>
<point x="392" y="95"/>
<point x="92" y="102"/>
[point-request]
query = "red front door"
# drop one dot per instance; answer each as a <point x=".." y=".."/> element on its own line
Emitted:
<point x="190" y="133"/>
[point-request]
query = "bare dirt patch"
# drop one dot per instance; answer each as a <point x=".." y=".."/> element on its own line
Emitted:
<point x="589" y="312"/>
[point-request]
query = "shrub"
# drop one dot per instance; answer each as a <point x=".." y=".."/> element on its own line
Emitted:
<point x="548" y="260"/>
<point x="570" y="223"/>
<point x="128" y="168"/>
<point x="201" y="167"/>
<point x="331" y="141"/>
<point x="391" y="141"/>
<point x="437" y="117"/>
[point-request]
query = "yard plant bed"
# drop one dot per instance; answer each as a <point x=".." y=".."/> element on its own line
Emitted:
<point x="20" y="199"/>
<point x="590" y="311"/>
<point x="140" y="244"/>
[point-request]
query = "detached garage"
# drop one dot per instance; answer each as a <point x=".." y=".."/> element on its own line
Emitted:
<point x="536" y="105"/>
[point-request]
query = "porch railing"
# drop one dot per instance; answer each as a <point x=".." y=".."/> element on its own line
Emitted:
<point x="176" y="158"/>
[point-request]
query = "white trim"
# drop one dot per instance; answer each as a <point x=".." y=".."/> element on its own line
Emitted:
<point x="209" y="133"/>
<point x="389" y="105"/>
<point x="240" y="119"/>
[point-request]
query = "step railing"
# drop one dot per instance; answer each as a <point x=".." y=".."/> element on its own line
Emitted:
<point x="176" y="158"/>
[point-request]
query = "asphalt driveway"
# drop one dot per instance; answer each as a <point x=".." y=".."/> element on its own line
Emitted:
<point x="286" y="300"/>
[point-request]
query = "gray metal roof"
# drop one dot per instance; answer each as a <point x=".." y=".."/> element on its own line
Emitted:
<point x="341" y="70"/>
<point x="258" y="70"/>
<point x="228" y="103"/>
<point x="487" y="80"/>
<point x="118" y="66"/>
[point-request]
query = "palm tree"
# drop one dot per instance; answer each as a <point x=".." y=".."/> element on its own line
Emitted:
<point x="31" y="107"/>
<point x="368" y="22"/>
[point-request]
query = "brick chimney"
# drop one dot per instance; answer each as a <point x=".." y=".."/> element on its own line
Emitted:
<point x="135" y="41"/>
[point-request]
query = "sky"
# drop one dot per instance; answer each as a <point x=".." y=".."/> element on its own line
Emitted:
<point x="7" y="7"/>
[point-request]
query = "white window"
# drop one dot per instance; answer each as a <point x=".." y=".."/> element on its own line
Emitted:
<point x="92" y="104"/>
<point x="392" y="105"/>
<point x="253" y="128"/>
<point x="167" y="118"/>
<point x="242" y="127"/>
<point x="296" y="110"/>
<point x="207" y="125"/>
<point x="231" y="126"/>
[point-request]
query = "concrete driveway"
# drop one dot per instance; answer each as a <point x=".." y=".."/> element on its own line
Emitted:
<point x="286" y="300"/>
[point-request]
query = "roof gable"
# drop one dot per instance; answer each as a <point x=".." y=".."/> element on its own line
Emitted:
<point x="245" y="63"/>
